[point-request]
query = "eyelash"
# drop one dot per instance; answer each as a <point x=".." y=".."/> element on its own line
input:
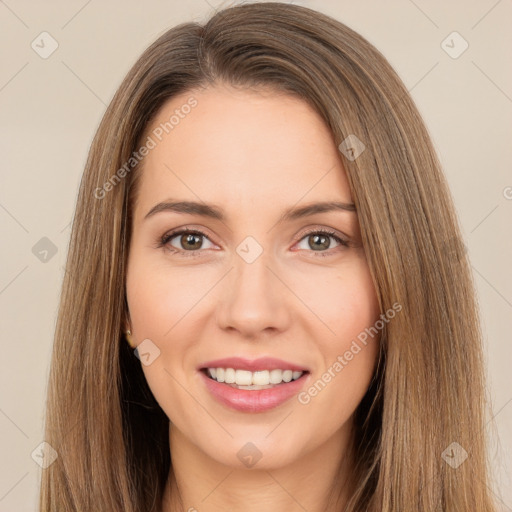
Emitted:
<point x="164" y="240"/>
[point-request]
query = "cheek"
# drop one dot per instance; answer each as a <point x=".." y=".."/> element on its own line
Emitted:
<point x="161" y="302"/>
<point x="165" y="303"/>
<point x="343" y="299"/>
<point x="160" y="296"/>
<point x="357" y="306"/>
<point x="347" y="304"/>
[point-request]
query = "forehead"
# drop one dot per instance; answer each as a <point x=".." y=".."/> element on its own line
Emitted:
<point x="240" y="147"/>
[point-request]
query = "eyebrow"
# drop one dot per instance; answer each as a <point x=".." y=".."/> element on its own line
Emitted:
<point x="215" y="212"/>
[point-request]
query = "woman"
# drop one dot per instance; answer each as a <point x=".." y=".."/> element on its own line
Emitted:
<point x="267" y="302"/>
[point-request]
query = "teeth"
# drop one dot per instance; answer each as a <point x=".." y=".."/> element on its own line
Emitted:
<point x="246" y="378"/>
<point x="229" y="376"/>
<point x="260" y="378"/>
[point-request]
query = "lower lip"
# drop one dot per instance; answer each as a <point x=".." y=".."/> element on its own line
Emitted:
<point x="246" y="400"/>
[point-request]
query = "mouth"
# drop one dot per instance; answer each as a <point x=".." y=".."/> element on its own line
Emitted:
<point x="253" y="380"/>
<point x="253" y="389"/>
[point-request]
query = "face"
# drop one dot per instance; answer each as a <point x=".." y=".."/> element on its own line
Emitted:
<point x="248" y="281"/>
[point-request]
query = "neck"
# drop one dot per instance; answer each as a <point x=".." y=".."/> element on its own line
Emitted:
<point x="317" y="481"/>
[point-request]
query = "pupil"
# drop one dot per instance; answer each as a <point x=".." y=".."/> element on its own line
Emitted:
<point x="189" y="239"/>
<point x="316" y="238"/>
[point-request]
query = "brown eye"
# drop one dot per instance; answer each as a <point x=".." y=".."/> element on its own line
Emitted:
<point x="191" y="241"/>
<point x="321" y="241"/>
<point x="186" y="241"/>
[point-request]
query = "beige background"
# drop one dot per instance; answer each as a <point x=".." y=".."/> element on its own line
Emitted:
<point x="50" y="109"/>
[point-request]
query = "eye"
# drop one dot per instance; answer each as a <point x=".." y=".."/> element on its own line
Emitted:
<point x="190" y="242"/>
<point x="319" y="240"/>
<point x="185" y="241"/>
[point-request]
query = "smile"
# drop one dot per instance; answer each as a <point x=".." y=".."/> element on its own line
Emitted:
<point x="253" y="398"/>
<point x="245" y="379"/>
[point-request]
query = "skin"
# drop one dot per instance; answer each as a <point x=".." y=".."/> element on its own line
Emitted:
<point x="254" y="154"/>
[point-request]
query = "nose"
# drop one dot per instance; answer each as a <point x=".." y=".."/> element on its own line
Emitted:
<point x="254" y="299"/>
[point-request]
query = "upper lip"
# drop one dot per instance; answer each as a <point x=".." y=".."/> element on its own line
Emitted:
<point x="252" y="365"/>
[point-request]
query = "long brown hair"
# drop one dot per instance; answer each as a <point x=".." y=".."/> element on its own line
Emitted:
<point x="110" y="434"/>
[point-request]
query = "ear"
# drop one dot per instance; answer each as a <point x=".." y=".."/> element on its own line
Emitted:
<point x="127" y="324"/>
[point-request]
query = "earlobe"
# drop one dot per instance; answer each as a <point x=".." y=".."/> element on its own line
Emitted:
<point x="126" y="324"/>
<point x="127" y="332"/>
<point x="129" y="338"/>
